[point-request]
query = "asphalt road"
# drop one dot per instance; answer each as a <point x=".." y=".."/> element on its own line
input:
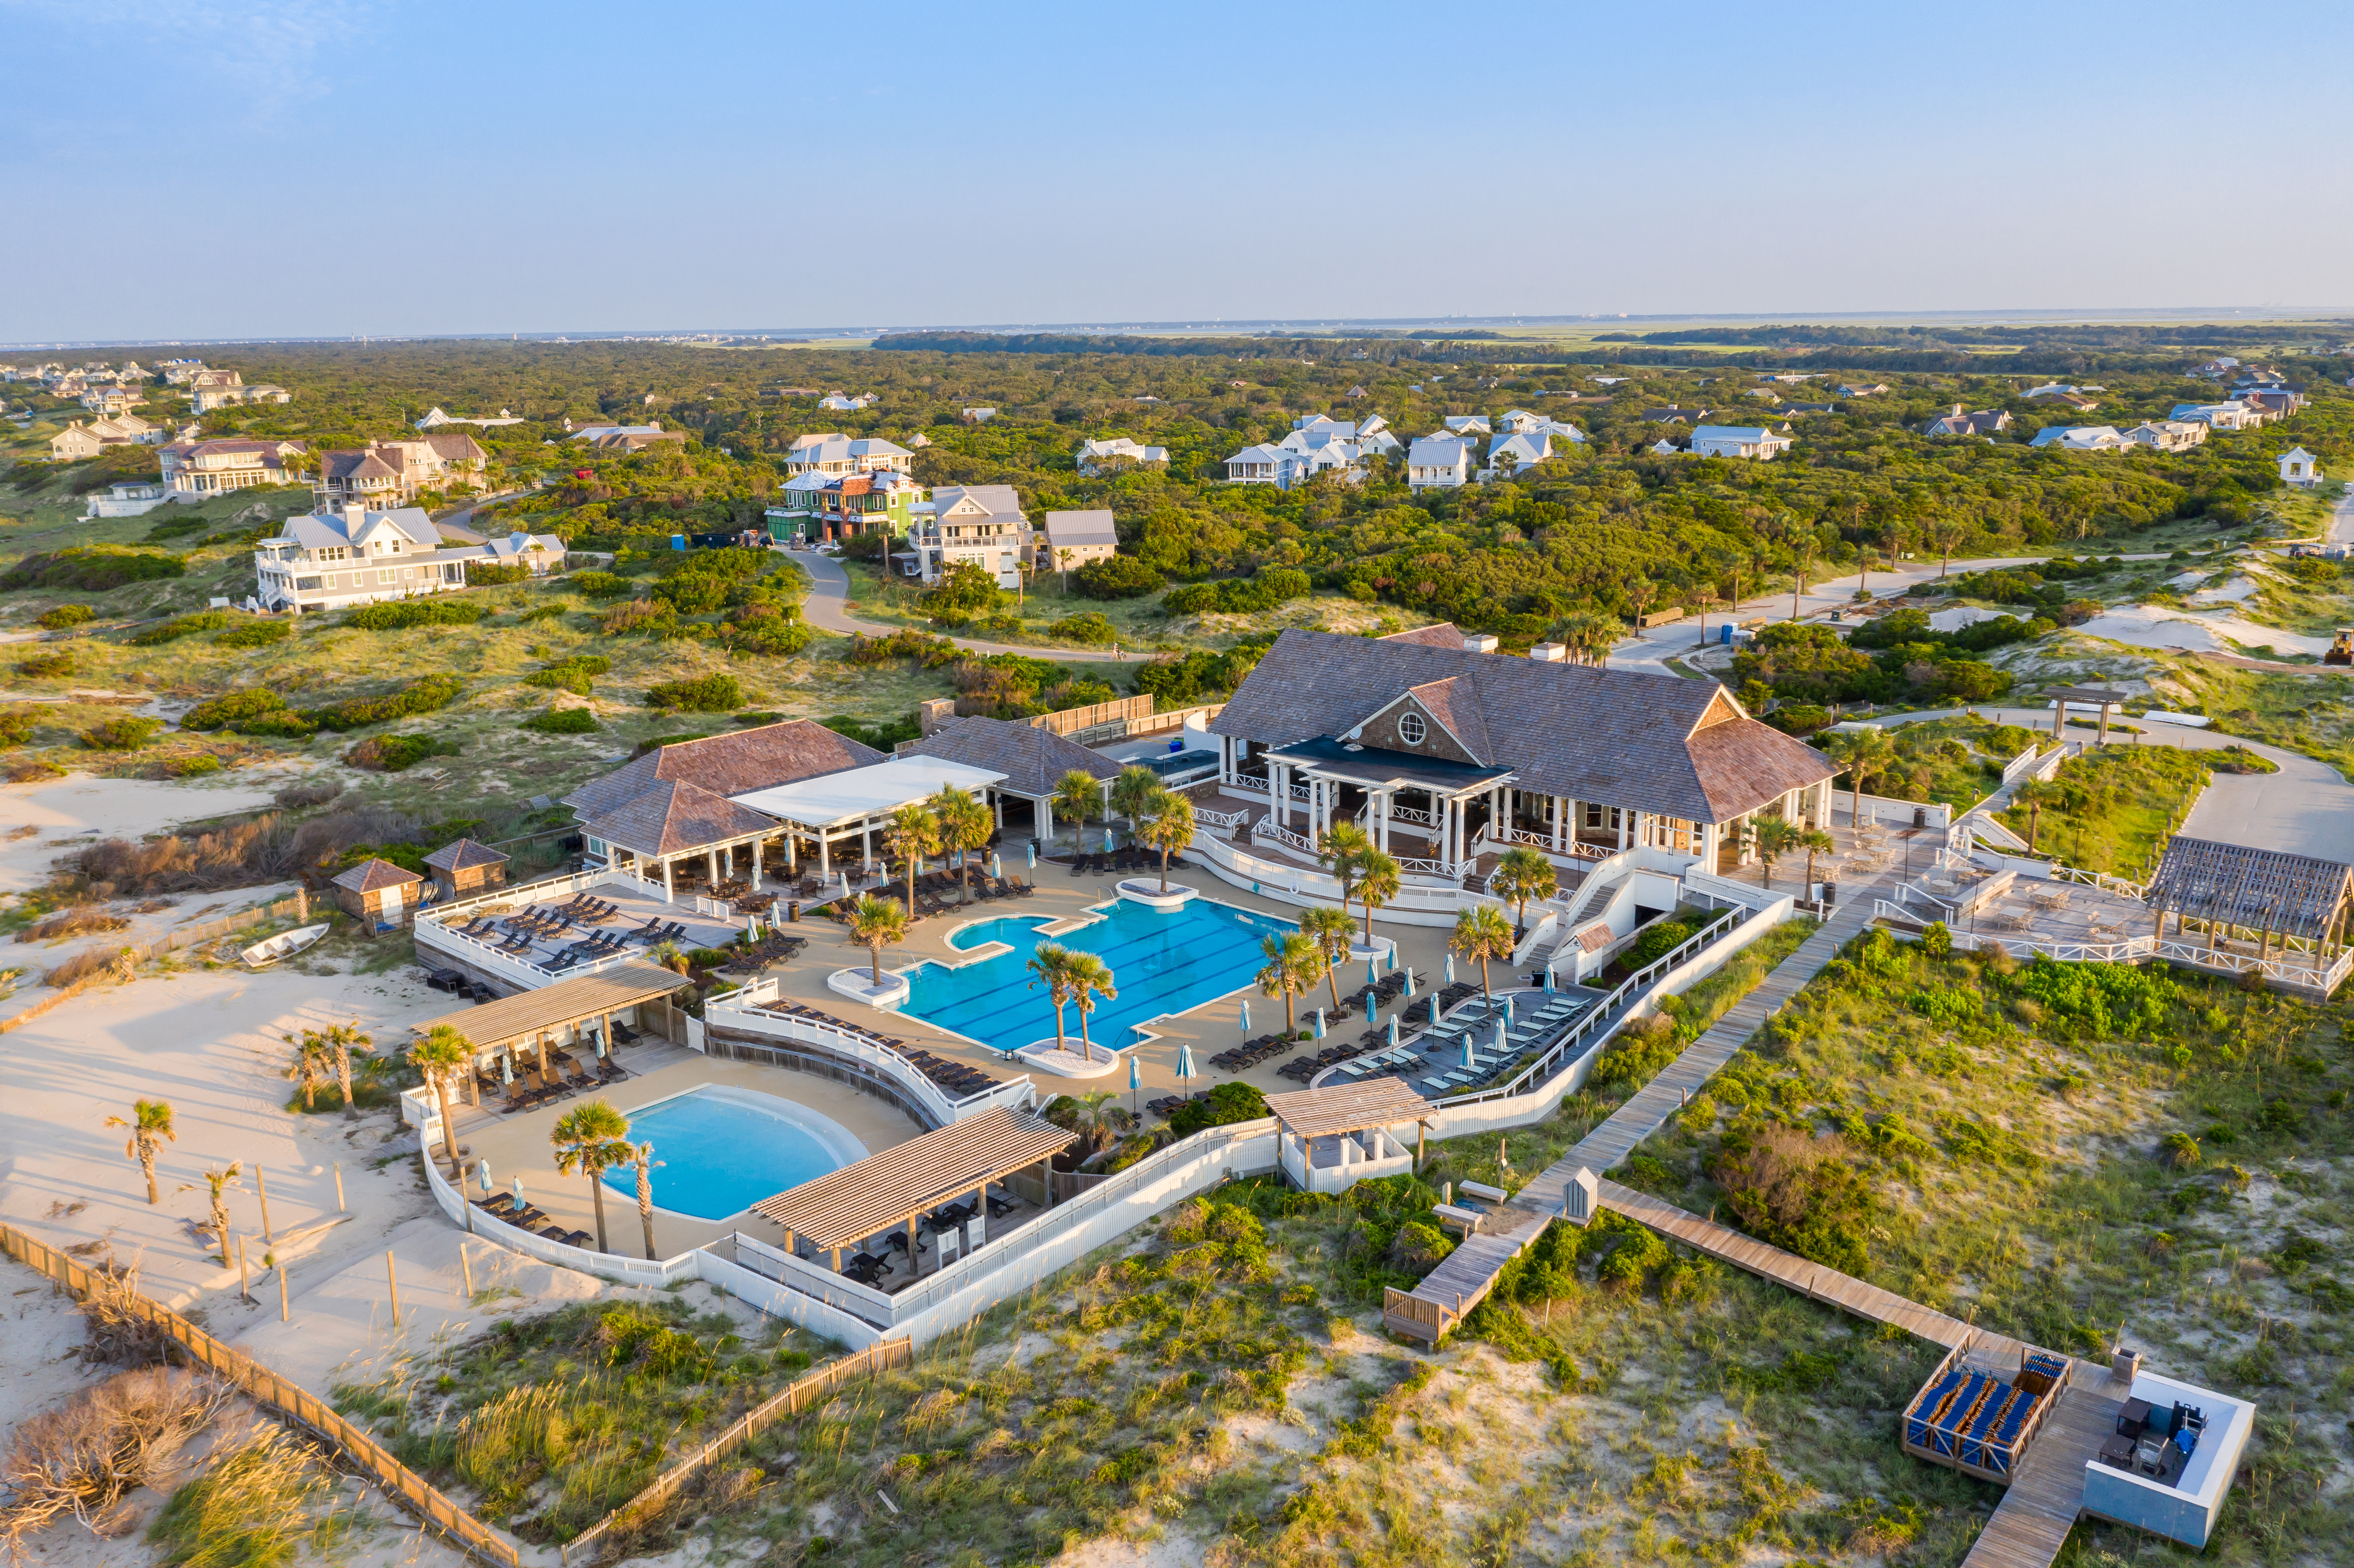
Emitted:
<point x="830" y="592"/>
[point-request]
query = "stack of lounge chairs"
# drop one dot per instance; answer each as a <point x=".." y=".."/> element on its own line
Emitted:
<point x="591" y="910"/>
<point x="1251" y="1053"/>
<point x="1112" y="862"/>
<point x="954" y="1076"/>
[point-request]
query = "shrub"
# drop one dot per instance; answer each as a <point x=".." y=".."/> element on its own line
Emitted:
<point x="16" y="726"/>
<point x="402" y="614"/>
<point x="495" y="574"/>
<point x="127" y="734"/>
<point x="255" y="634"/>
<point x="1229" y="1102"/>
<point x="392" y="753"/>
<point x="1417" y="1248"/>
<point x="1116" y="576"/>
<point x="191" y="765"/>
<point x="1194" y="599"/>
<point x="182" y="626"/>
<point x="1797" y="1193"/>
<point x="574" y="674"/>
<point x="46" y="666"/>
<point x="1940" y="1004"/>
<point x="601" y="585"/>
<point x="929" y="652"/>
<point x="1090" y="629"/>
<point x="66" y="614"/>
<point x="93" y="568"/>
<point x="563" y="721"/>
<point x="422" y="695"/>
<point x="693" y="593"/>
<point x="642" y="618"/>
<point x="1275" y="586"/>
<point x="715" y="694"/>
<point x="1656" y="942"/>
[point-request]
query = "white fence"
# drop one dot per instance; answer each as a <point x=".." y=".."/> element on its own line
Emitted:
<point x="605" y="1264"/>
<point x="742" y="1010"/>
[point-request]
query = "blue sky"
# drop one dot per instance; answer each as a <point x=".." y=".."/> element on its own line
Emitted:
<point x="301" y="168"/>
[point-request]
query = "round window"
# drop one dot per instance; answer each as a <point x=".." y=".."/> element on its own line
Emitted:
<point x="1411" y="729"/>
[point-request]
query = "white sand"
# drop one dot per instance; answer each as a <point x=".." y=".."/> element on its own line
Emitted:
<point x="1963" y="615"/>
<point x="2148" y="626"/>
<point x="81" y="807"/>
<point x="2237" y="591"/>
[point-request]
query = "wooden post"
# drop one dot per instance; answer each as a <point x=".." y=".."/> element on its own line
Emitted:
<point x="341" y="1207"/>
<point x="392" y="1278"/>
<point x="915" y="1258"/>
<point x="466" y="1271"/>
<point x="262" y="1186"/>
<point x="244" y="1289"/>
<point x="1421" y="1142"/>
<point x="284" y="1314"/>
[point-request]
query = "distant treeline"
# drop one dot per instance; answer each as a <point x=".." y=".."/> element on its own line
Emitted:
<point x="2105" y="335"/>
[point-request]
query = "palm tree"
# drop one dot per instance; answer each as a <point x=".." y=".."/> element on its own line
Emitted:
<point x="308" y="1062"/>
<point x="1096" y="1114"/>
<point x="1799" y="570"/>
<point x="1344" y="850"/>
<point x="592" y="1140"/>
<point x="1378" y="880"/>
<point x="220" y="1181"/>
<point x="875" y="924"/>
<point x="1292" y="967"/>
<point x="346" y="1041"/>
<point x="1090" y="978"/>
<point x="914" y="832"/>
<point x="1776" y="836"/>
<point x="1132" y="793"/>
<point x="1942" y="535"/>
<point x="1480" y="933"/>
<point x="1076" y="797"/>
<point x="1521" y="875"/>
<point x="1052" y="967"/>
<point x="1332" y="930"/>
<point x="1814" y="841"/>
<point x="442" y="1055"/>
<point x="965" y="826"/>
<point x="2034" y="794"/>
<point x="1866" y="754"/>
<point x="150" y="1126"/>
<point x="1168" y="828"/>
<point x="642" y="1155"/>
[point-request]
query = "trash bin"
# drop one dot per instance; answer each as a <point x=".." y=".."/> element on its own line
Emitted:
<point x="1831" y="892"/>
<point x="1919" y="816"/>
<point x="1725" y="634"/>
<point x="794" y="909"/>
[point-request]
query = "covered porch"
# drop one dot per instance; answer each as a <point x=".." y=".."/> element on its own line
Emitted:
<point x="524" y="1044"/>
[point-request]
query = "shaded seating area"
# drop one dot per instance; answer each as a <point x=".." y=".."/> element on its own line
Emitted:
<point x="927" y="1195"/>
<point x="1343" y="1126"/>
<point x="540" y="1046"/>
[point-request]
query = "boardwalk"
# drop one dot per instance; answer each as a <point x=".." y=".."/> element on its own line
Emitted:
<point x="1464" y="1278"/>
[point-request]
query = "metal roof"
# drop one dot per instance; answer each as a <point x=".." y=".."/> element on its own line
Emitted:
<point x="912" y="1178"/>
<point x="869" y="791"/>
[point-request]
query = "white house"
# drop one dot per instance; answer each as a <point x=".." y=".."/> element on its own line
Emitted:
<point x="2230" y="416"/>
<point x="1260" y="464"/>
<point x="978" y="416"/>
<point x="982" y="524"/>
<point x="2299" y="467"/>
<point x="2167" y="435"/>
<point x="1369" y="435"/>
<point x="128" y="498"/>
<point x="1516" y="453"/>
<point x="2081" y="438"/>
<point x="1860" y="390"/>
<point x="327" y="560"/>
<point x="1972" y="422"/>
<point x="1467" y="424"/>
<point x="1439" y="462"/>
<point x="1739" y="440"/>
<point x="198" y="469"/>
<point x="833" y="454"/>
<point x="435" y="417"/>
<point x="1313" y="445"/>
<point x="838" y="404"/>
<point x="1094" y="457"/>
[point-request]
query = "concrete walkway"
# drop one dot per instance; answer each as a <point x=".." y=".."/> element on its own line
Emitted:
<point x="827" y="609"/>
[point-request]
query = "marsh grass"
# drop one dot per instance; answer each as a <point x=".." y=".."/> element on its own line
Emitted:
<point x="257" y="1507"/>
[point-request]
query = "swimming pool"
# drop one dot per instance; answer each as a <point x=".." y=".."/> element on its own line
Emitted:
<point x="719" y="1149"/>
<point x="1161" y="962"/>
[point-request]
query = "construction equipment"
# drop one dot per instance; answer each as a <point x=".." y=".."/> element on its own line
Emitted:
<point x="2341" y="652"/>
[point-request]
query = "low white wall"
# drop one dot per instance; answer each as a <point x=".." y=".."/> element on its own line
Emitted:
<point x="605" y="1264"/>
<point x="1881" y="808"/>
<point x="797" y="1307"/>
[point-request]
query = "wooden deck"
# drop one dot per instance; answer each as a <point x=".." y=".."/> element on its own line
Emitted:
<point x="2040" y="1505"/>
<point x="1463" y="1280"/>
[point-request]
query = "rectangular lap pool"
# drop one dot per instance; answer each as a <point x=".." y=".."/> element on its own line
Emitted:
<point x="1161" y="962"/>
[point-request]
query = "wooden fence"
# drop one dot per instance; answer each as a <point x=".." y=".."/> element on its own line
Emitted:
<point x="137" y="953"/>
<point x="1068" y="721"/>
<point x="791" y="1401"/>
<point x="289" y="1400"/>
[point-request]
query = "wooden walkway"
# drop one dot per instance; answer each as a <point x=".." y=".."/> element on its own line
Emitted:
<point x="1464" y="1278"/>
<point x="2040" y="1505"/>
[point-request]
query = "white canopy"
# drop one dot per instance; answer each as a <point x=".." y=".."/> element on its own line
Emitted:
<point x="874" y="791"/>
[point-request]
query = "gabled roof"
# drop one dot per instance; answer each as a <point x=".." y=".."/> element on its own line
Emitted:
<point x="371" y="875"/>
<point x="997" y="499"/>
<point x="1444" y="634"/>
<point x="1458" y="710"/>
<point x="464" y="855"/>
<point x="1033" y="757"/>
<point x="1075" y="528"/>
<point x="674" y="817"/>
<point x="733" y="763"/>
<point x="1628" y="737"/>
<point x="362" y="464"/>
<point x="1438" y="451"/>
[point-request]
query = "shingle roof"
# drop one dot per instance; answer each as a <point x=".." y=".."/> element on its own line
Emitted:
<point x="1626" y="737"/>
<point x="674" y="817"/>
<point x="1032" y="758"/>
<point x="464" y="855"/>
<point x="734" y="763"/>
<point x="371" y="875"/>
<point x="1446" y="634"/>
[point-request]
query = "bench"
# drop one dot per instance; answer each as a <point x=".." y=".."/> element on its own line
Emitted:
<point x="1482" y="1190"/>
<point x="1455" y="1216"/>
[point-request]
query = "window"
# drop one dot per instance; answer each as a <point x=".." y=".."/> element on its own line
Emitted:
<point x="387" y="575"/>
<point x="1412" y="730"/>
<point x="303" y="585"/>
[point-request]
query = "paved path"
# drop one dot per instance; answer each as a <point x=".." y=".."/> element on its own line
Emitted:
<point x="2341" y="522"/>
<point x="829" y="595"/>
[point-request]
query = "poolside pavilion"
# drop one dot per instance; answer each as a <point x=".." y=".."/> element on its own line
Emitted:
<point x="1322" y="1125"/>
<point x="838" y="807"/>
<point x="536" y="1022"/>
<point x="1030" y="760"/>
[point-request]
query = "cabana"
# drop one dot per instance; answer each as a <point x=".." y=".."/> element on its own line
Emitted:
<point x="529" y="1020"/>
<point x="908" y="1180"/>
<point x="2264" y="895"/>
<point x="1339" y="1112"/>
<point x="860" y="801"/>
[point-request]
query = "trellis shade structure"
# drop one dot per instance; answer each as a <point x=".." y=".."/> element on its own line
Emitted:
<point x="1347" y="1107"/>
<point x="2259" y="890"/>
<point x="529" y="1015"/>
<point x="912" y="1178"/>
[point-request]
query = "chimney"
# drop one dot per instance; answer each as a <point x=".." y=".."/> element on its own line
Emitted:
<point x="1958" y="411"/>
<point x="1478" y="642"/>
<point x="1549" y="653"/>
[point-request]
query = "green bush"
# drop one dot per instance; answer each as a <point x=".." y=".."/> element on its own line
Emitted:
<point x="93" y="568"/>
<point x="392" y="753"/>
<point x="16" y="728"/>
<point x="66" y="614"/>
<point x="402" y="614"/>
<point x="601" y="585"/>
<point x="1656" y="942"/>
<point x="182" y="626"/>
<point x="47" y="666"/>
<point x="574" y="674"/>
<point x="1091" y="628"/>
<point x="643" y="618"/>
<point x="1194" y="599"/>
<point x="232" y="708"/>
<point x="1229" y="1102"/>
<point x="422" y="695"/>
<point x="715" y="694"/>
<point x="495" y="574"/>
<point x="191" y="766"/>
<point x="696" y="593"/>
<point x="255" y="634"/>
<point x="127" y="734"/>
<point x="1116" y="576"/>
<point x="563" y="721"/>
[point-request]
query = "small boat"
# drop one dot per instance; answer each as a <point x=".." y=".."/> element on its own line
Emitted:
<point x="263" y="954"/>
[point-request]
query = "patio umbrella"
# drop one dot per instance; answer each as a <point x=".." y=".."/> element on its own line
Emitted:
<point x="1135" y="1080"/>
<point x="845" y="881"/>
<point x="1471" y="1062"/>
<point x="1393" y="1017"/>
<point x="996" y="865"/>
<point x="1372" y="972"/>
<point x="506" y="1068"/>
<point x="1031" y="850"/>
<point x="751" y="928"/>
<point x="1109" y="845"/>
<point x="1548" y="978"/>
<point x="1507" y="1007"/>
<point x="1450" y="967"/>
<point x="601" y="1048"/>
<point x="518" y="1184"/>
<point x="1245" y="1015"/>
<point x="1185" y="1062"/>
<point x="1500" y="1036"/>
<point x="1409" y="981"/>
<point x="483" y="1172"/>
<point x="1319" y="1023"/>
<point x="1434" y="1010"/>
<point x="1373" y="1011"/>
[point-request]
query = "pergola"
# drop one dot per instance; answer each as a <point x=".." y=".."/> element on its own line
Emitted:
<point x="859" y="800"/>
<point x="2101" y="697"/>
<point x="908" y="1180"/>
<point x="2268" y="894"/>
<point x="528" y="1018"/>
<point x="1336" y="1112"/>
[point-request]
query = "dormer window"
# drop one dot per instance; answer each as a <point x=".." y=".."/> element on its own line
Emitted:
<point x="1412" y="730"/>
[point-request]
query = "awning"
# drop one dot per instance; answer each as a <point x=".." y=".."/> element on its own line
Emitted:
<point x="874" y="790"/>
<point x="912" y="1178"/>
<point x="1348" y="1108"/>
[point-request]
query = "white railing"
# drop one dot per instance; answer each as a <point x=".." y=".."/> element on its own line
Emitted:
<point x="2323" y="978"/>
<point x="1408" y="814"/>
<point x="868" y="1304"/>
<point x="1536" y="837"/>
<point x="1590" y="852"/>
<point x="589" y="1260"/>
<point x="1452" y="869"/>
<point x="1266" y="828"/>
<point x="2100" y="879"/>
<point x="2031" y="761"/>
<point x="1248" y="783"/>
<point x="1222" y="821"/>
<point x="743" y="1010"/>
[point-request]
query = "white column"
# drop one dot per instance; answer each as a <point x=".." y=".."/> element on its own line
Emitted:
<point x="1626" y="826"/>
<point x="998" y="801"/>
<point x="866" y="841"/>
<point x="1708" y="847"/>
<point x="1278" y="793"/>
<point x="757" y="846"/>
<point x="1381" y="802"/>
<point x="1560" y="820"/>
<point x="824" y="858"/>
<point x="669" y="892"/>
<point x="711" y="867"/>
<point x="1046" y="823"/>
<point x="1226" y="760"/>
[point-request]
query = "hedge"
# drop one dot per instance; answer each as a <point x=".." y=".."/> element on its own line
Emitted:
<point x="182" y="626"/>
<point x="402" y="614"/>
<point x="232" y="708"/>
<point x="392" y="753"/>
<point x="571" y="674"/>
<point x="1116" y="576"/>
<point x="563" y="721"/>
<point x="419" y="697"/>
<point x="66" y="614"/>
<point x="705" y="695"/>
<point x="255" y="634"/>
<point x="121" y="734"/>
<point x="93" y="568"/>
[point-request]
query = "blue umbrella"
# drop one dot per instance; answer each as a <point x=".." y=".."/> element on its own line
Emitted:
<point x="1434" y="1010"/>
<point x="482" y="1171"/>
<point x="1185" y="1062"/>
<point x="1372" y="1010"/>
<point x="1319" y="1023"/>
<point x="1109" y="845"/>
<point x="1389" y="959"/>
<point x="1409" y="982"/>
<point x="1372" y="973"/>
<point x="1471" y="1060"/>
<point x="996" y="866"/>
<point x="1393" y="1017"/>
<point x="1548" y="980"/>
<point x="1507" y="1007"/>
<point x="1450" y="967"/>
<point x="1031" y="849"/>
<point x="518" y="1192"/>
<point x="1245" y="1015"/>
<point x="1135" y="1078"/>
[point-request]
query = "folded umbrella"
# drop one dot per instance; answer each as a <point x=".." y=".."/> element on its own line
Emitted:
<point x="1319" y="1023"/>
<point x="1186" y="1060"/>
